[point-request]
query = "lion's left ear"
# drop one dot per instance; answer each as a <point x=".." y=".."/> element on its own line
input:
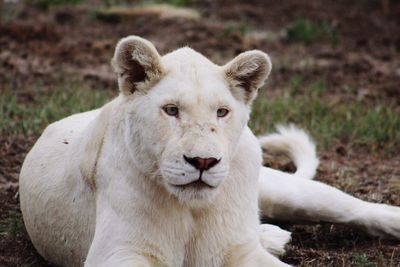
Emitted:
<point x="246" y="73"/>
<point x="137" y="63"/>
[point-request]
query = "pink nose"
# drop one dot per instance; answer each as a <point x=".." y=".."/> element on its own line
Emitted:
<point x="202" y="164"/>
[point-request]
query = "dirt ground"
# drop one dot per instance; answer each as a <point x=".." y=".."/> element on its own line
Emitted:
<point x="358" y="55"/>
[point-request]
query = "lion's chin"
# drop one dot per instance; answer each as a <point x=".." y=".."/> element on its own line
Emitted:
<point x="195" y="185"/>
<point x="195" y="194"/>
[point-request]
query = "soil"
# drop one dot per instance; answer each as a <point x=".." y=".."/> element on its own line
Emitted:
<point x="47" y="45"/>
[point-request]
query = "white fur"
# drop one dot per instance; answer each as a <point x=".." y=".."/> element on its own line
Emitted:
<point x="284" y="197"/>
<point x="296" y="144"/>
<point x="274" y="239"/>
<point x="104" y="188"/>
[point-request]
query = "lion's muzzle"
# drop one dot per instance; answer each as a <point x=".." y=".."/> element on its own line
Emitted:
<point x="202" y="164"/>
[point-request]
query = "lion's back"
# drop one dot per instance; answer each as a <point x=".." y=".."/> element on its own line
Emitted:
<point x="54" y="199"/>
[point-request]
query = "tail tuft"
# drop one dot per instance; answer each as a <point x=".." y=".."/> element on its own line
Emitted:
<point x="296" y="144"/>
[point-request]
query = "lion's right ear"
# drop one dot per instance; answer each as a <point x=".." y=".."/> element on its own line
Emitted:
<point x="137" y="63"/>
<point x="246" y="73"/>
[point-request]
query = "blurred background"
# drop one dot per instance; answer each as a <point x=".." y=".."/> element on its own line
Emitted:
<point x="336" y="73"/>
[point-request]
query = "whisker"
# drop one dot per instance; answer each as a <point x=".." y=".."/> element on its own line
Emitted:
<point x="217" y="174"/>
<point x="172" y="167"/>
<point x="171" y="172"/>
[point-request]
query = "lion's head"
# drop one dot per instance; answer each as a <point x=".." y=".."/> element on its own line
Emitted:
<point x="184" y="115"/>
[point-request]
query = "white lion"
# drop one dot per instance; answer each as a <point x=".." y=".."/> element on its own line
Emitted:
<point x="169" y="174"/>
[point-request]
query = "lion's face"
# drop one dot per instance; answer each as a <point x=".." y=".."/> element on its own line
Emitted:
<point x="193" y="124"/>
<point x="186" y="115"/>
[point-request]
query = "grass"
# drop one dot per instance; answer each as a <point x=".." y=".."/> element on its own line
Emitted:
<point x="48" y="3"/>
<point x="12" y="225"/>
<point x="30" y="118"/>
<point x="374" y="126"/>
<point x="362" y="260"/>
<point x="306" y="31"/>
<point x="242" y="28"/>
<point x="177" y="3"/>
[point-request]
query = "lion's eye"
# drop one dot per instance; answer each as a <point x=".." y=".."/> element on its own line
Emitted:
<point x="171" y="110"/>
<point x="222" y="112"/>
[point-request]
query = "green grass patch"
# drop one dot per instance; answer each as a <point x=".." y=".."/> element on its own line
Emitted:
<point x="374" y="126"/>
<point x="362" y="260"/>
<point x="48" y="3"/>
<point x="31" y="117"/>
<point x="177" y="3"/>
<point x="12" y="225"/>
<point x="242" y="28"/>
<point x="306" y="31"/>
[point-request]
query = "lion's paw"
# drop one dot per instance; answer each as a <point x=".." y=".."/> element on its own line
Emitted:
<point x="383" y="221"/>
<point x="274" y="239"/>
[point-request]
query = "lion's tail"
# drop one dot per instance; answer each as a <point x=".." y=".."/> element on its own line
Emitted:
<point x="296" y="144"/>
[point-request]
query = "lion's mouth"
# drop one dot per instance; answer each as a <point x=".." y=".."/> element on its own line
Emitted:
<point x="198" y="185"/>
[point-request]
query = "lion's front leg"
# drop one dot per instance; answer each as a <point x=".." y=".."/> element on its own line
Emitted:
<point x="120" y="259"/>
<point x="252" y="255"/>
<point x="274" y="239"/>
<point x="126" y="241"/>
<point x="109" y="249"/>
